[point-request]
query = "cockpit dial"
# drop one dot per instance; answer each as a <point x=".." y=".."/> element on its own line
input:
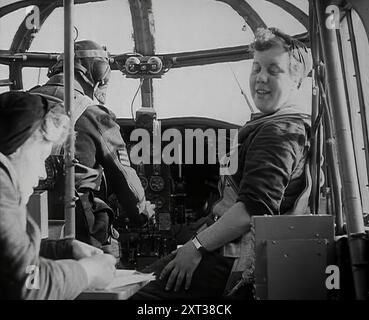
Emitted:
<point x="157" y="183"/>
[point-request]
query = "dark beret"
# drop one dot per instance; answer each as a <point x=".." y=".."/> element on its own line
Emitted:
<point x="21" y="113"/>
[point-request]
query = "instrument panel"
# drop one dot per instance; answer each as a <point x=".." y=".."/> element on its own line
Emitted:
<point x="157" y="183"/>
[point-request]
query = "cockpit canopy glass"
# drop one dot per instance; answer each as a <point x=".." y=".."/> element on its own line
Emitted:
<point x="210" y="91"/>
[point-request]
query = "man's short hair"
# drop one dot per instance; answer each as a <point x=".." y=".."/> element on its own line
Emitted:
<point x="300" y="59"/>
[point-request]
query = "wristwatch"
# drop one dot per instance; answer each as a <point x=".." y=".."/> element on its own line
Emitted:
<point x="198" y="245"/>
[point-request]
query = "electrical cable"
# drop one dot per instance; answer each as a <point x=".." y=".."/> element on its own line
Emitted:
<point x="242" y="92"/>
<point x="134" y="97"/>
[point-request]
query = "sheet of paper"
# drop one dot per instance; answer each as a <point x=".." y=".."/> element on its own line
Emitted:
<point x="126" y="277"/>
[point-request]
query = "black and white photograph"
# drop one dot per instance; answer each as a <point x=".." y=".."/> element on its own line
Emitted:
<point x="184" y="157"/>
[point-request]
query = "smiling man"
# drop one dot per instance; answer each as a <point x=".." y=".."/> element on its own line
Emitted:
<point x="275" y="77"/>
<point x="270" y="79"/>
<point x="273" y="151"/>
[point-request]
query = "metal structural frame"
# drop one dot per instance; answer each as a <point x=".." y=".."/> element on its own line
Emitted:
<point x="142" y="20"/>
<point x="347" y="164"/>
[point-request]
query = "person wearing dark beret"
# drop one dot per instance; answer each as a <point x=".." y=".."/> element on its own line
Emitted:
<point x="31" y="268"/>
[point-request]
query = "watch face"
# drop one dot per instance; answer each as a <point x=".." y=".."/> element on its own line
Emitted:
<point x="197" y="244"/>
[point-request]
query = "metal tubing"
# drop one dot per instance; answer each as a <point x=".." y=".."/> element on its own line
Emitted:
<point x="331" y="151"/>
<point x="359" y="90"/>
<point x="69" y="208"/>
<point x="337" y="100"/>
<point x="314" y="42"/>
<point x="350" y="184"/>
<point x="337" y="185"/>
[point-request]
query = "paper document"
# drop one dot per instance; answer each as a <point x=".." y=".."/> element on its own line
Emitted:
<point x="126" y="277"/>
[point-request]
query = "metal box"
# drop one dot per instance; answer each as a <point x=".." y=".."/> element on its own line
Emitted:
<point x="292" y="253"/>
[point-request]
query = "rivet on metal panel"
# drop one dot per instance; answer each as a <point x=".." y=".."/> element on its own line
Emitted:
<point x="291" y="227"/>
<point x="274" y="242"/>
<point x="317" y="235"/>
<point x="285" y="255"/>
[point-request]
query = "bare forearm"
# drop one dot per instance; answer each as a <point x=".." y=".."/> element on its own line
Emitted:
<point x="234" y="223"/>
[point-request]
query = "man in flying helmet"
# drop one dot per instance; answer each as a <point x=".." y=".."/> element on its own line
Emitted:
<point x="100" y="149"/>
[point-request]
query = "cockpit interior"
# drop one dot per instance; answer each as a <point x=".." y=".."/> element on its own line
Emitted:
<point x="180" y="71"/>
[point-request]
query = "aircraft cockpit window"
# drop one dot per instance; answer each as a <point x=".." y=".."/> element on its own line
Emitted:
<point x="9" y="25"/>
<point x="33" y="77"/>
<point x="213" y="24"/>
<point x="279" y="17"/>
<point x="200" y="91"/>
<point x="121" y="96"/>
<point x="107" y="22"/>
<point x="4" y="70"/>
